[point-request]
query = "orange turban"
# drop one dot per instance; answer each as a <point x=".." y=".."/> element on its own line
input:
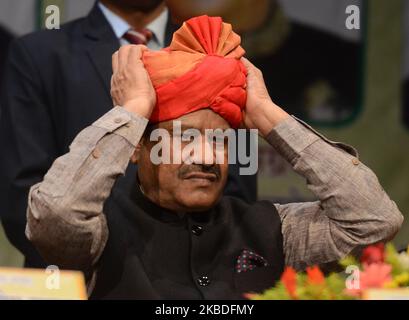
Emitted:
<point x="200" y="69"/>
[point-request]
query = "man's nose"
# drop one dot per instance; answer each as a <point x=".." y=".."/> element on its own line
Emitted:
<point x="204" y="154"/>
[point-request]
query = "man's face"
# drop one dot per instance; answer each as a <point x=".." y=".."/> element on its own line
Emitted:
<point x="138" y="5"/>
<point x="197" y="181"/>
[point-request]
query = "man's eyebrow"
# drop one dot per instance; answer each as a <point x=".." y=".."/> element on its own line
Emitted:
<point x="187" y="126"/>
<point x="183" y="127"/>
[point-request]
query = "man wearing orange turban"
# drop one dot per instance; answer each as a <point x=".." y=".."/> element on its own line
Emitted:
<point x="174" y="236"/>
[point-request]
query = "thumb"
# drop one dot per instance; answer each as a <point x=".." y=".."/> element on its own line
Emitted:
<point x="247" y="63"/>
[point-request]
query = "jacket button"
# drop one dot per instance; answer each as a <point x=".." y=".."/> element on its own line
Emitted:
<point x="118" y="120"/>
<point x="95" y="153"/>
<point x="203" y="281"/>
<point x="197" y="230"/>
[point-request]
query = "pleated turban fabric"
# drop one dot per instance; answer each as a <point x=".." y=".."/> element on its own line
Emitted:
<point x="200" y="69"/>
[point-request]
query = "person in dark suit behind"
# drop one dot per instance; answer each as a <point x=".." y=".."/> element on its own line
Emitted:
<point x="5" y="39"/>
<point x="57" y="82"/>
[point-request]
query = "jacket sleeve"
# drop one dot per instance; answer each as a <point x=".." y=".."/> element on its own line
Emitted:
<point x="352" y="210"/>
<point x="65" y="217"/>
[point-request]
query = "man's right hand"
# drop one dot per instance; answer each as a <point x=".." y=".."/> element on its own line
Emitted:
<point x="131" y="86"/>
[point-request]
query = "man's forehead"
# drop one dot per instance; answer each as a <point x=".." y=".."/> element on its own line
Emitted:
<point x="201" y="119"/>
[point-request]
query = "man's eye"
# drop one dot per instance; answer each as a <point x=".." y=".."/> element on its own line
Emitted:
<point x="188" y="137"/>
<point x="219" y="140"/>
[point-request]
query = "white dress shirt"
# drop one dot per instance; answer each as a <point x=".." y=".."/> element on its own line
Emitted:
<point x="120" y="27"/>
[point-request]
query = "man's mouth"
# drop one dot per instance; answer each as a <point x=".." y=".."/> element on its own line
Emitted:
<point x="201" y="175"/>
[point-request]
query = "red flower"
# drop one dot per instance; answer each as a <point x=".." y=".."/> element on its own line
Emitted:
<point x="249" y="296"/>
<point x="373" y="254"/>
<point x="289" y="279"/>
<point x="314" y="275"/>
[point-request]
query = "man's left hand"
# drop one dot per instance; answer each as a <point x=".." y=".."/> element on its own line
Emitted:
<point x="261" y="112"/>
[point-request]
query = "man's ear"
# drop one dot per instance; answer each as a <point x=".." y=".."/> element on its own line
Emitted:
<point x="137" y="153"/>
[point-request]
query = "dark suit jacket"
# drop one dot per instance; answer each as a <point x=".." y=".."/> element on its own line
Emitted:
<point x="5" y="39"/>
<point x="57" y="82"/>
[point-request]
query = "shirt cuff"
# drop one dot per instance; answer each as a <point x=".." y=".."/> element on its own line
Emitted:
<point x="292" y="136"/>
<point x="123" y="123"/>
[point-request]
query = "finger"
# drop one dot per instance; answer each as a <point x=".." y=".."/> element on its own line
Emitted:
<point x="112" y="82"/>
<point x="115" y="62"/>
<point x="252" y="69"/>
<point x="136" y="53"/>
<point x="246" y="62"/>
<point x="249" y="66"/>
<point x="112" y="92"/>
<point x="138" y="50"/>
<point x="123" y="53"/>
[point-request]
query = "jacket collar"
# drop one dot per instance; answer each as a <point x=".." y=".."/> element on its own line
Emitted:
<point x="98" y="28"/>
<point x="96" y="25"/>
<point x="104" y="43"/>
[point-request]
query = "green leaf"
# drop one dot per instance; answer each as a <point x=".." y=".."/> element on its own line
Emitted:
<point x="392" y="258"/>
<point x="349" y="261"/>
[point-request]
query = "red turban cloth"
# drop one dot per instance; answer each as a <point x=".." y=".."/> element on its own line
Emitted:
<point x="200" y="69"/>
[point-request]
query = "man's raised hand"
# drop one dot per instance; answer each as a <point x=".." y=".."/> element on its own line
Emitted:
<point x="261" y="112"/>
<point x="131" y="86"/>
